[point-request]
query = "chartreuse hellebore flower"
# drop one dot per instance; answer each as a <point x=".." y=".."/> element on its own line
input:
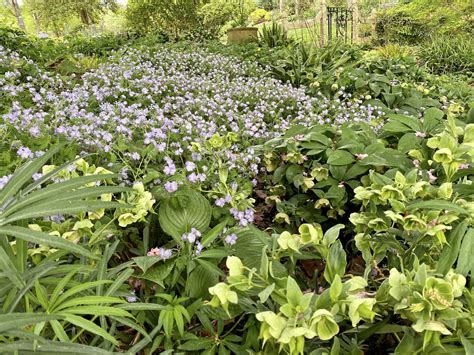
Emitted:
<point x="223" y="295"/>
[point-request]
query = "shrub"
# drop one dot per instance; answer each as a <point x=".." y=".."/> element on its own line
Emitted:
<point x="259" y="16"/>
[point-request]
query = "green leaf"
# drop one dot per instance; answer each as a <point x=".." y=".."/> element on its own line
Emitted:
<point x="146" y="262"/>
<point x="50" y="347"/>
<point x="210" y="236"/>
<point x="265" y="293"/>
<point x="93" y="300"/>
<point x="141" y="307"/>
<point x="66" y="191"/>
<point x="438" y="205"/>
<point x="465" y="263"/>
<point x="46" y="239"/>
<point x="23" y="174"/>
<point x="199" y="281"/>
<point x="293" y="292"/>
<point x="90" y="327"/>
<point x="96" y="310"/>
<point x="186" y="209"/>
<point x="336" y="262"/>
<point x="195" y="345"/>
<point x="61" y="207"/>
<point x="339" y="157"/>
<point x="451" y="250"/>
<point x="20" y="320"/>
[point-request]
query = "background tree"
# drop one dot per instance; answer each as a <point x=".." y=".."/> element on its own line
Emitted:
<point x="17" y="12"/>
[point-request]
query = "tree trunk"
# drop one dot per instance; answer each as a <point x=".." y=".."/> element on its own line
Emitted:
<point x="19" y="18"/>
<point x="85" y="18"/>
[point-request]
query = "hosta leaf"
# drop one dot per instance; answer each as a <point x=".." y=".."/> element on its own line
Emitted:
<point x="199" y="281"/>
<point x="45" y="239"/>
<point x="186" y="209"/>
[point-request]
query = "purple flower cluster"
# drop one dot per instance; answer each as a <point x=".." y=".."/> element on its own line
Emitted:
<point x="243" y="217"/>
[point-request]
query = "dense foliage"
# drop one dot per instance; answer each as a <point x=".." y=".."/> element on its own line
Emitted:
<point x="200" y="198"/>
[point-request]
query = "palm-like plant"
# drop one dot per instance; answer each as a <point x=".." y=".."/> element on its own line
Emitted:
<point x="47" y="293"/>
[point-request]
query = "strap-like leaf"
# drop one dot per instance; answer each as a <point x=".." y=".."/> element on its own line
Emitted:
<point x="19" y="320"/>
<point x="79" y="288"/>
<point x="90" y="327"/>
<point x="62" y="207"/>
<point x="97" y="311"/>
<point x="23" y="174"/>
<point x="45" y="239"/>
<point x="91" y="300"/>
<point x="51" y="347"/>
<point x="59" y="191"/>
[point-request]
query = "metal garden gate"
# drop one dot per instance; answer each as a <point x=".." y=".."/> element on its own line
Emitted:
<point x="340" y="22"/>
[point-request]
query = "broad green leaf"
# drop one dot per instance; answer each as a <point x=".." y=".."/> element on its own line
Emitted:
<point x="293" y="292"/>
<point x="186" y="209"/>
<point x="339" y="157"/>
<point x="45" y="239"/>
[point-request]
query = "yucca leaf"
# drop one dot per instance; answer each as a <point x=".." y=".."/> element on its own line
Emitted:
<point x="45" y="239"/>
<point x="90" y="327"/>
<point x="23" y="174"/>
<point x="88" y="300"/>
<point x="62" y="207"/>
<point x="19" y="320"/>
